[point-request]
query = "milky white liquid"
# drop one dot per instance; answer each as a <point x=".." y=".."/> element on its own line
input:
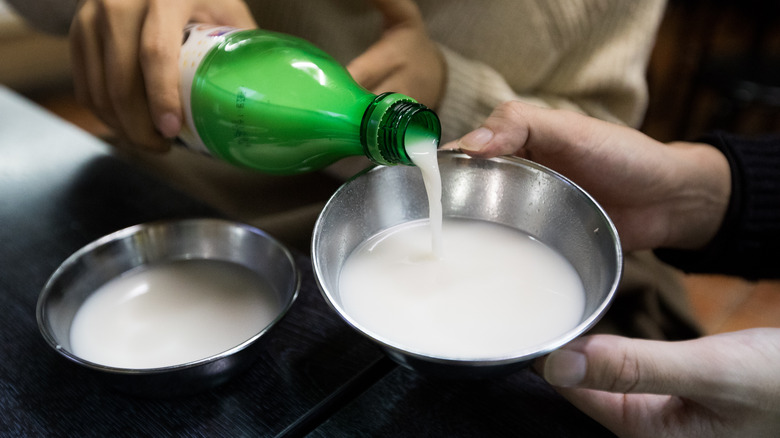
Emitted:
<point x="493" y="291"/>
<point x="422" y="152"/>
<point x="172" y="313"/>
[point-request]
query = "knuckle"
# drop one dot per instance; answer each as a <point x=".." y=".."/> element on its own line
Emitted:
<point x="513" y="108"/>
<point x="627" y="376"/>
<point x="153" y="51"/>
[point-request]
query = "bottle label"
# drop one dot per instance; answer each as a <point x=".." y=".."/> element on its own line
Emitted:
<point x="198" y="40"/>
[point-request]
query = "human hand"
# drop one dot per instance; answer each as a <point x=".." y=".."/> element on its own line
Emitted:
<point x="125" y="53"/>
<point x="657" y="195"/>
<point x="725" y="385"/>
<point x="404" y="60"/>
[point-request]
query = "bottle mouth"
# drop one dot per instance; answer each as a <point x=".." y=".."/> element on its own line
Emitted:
<point x="385" y="125"/>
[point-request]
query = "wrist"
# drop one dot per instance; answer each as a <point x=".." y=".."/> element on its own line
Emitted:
<point x="702" y="195"/>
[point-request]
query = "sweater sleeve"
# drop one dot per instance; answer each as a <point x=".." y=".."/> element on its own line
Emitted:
<point x="50" y="16"/>
<point x="596" y="64"/>
<point x="748" y="242"/>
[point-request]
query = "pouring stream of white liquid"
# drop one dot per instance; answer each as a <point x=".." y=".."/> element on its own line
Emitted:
<point x="481" y="290"/>
<point x="422" y="151"/>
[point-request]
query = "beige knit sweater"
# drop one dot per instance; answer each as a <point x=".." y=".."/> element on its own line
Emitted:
<point x="585" y="55"/>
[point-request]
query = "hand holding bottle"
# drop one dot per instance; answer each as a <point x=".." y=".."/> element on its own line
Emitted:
<point x="404" y="60"/>
<point x="725" y="385"/>
<point x="658" y="195"/>
<point x="125" y="54"/>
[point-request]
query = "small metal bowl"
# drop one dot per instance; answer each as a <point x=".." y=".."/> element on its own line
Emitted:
<point x="508" y="191"/>
<point x="146" y="244"/>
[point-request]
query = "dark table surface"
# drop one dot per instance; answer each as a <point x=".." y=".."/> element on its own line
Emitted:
<point x="61" y="188"/>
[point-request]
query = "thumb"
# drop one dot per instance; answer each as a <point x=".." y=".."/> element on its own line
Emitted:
<point x="696" y="369"/>
<point x="612" y="363"/>
<point x="504" y="132"/>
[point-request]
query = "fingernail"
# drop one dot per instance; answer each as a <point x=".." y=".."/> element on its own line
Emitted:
<point x="169" y="125"/>
<point x="565" y="368"/>
<point x="475" y="140"/>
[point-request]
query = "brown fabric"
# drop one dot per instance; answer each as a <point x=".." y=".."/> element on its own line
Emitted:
<point x="651" y="302"/>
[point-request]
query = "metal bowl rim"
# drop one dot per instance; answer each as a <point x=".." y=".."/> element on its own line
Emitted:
<point x="45" y="330"/>
<point x="505" y="359"/>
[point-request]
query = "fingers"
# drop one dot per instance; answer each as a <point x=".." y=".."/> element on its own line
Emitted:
<point x="382" y="60"/>
<point x="731" y="366"/>
<point x="159" y="52"/>
<point x="373" y="67"/>
<point x="87" y="59"/>
<point x="538" y="133"/>
<point x="159" y="55"/>
<point x="107" y="74"/>
<point x="124" y="79"/>
<point x="125" y="61"/>
<point x="505" y="132"/>
<point x="608" y="363"/>
<point x="404" y="59"/>
<point x="632" y="385"/>
<point x="614" y="380"/>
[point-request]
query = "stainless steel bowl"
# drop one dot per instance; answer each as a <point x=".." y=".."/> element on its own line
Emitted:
<point x="107" y="258"/>
<point x="509" y="191"/>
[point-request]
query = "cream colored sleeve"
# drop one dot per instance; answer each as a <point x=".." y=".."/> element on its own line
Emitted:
<point x="473" y="90"/>
<point x="600" y="71"/>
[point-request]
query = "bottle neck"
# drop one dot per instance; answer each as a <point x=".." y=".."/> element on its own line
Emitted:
<point x="386" y="122"/>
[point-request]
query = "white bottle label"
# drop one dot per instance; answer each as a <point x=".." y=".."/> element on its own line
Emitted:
<point x="198" y="40"/>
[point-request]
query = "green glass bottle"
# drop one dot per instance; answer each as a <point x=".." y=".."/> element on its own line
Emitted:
<point x="276" y="103"/>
